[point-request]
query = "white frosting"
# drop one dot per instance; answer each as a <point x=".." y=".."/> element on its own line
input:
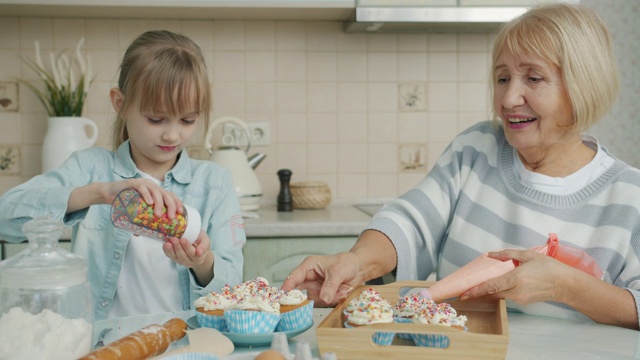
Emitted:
<point x="258" y="303"/>
<point x="371" y="314"/>
<point x="251" y="286"/>
<point x="367" y="296"/>
<point x="292" y="297"/>
<point x="216" y="301"/>
<point x="408" y="306"/>
<point x="257" y="295"/>
<point x="440" y="314"/>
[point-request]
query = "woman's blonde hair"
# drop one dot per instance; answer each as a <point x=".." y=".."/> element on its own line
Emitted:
<point x="161" y="68"/>
<point x="575" y="39"/>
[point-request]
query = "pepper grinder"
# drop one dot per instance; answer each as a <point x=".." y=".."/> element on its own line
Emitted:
<point x="285" y="202"/>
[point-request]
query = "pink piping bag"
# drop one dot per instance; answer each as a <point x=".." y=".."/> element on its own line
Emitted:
<point x="570" y="256"/>
<point x="484" y="268"/>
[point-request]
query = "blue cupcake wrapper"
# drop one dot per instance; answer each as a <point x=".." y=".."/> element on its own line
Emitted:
<point x="431" y="340"/>
<point x="212" y="321"/>
<point x="380" y="338"/>
<point x="401" y="320"/>
<point x="296" y="319"/>
<point x="250" y="322"/>
<point x="191" y="356"/>
<point x="383" y="338"/>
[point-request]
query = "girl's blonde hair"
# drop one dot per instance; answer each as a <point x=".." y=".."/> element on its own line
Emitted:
<point x="575" y="39"/>
<point x="161" y="68"/>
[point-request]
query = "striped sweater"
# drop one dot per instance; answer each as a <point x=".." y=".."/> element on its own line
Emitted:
<point x="472" y="202"/>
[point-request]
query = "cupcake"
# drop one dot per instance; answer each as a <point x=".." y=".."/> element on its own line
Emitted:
<point x="406" y="309"/>
<point x="257" y="311"/>
<point x="367" y="296"/>
<point x="210" y="308"/>
<point x="373" y="313"/>
<point x="296" y="311"/>
<point x="437" y="314"/>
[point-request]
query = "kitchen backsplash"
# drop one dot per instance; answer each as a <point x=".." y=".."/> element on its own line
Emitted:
<point x="367" y="113"/>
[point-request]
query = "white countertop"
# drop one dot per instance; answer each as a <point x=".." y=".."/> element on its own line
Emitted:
<point x="334" y="220"/>
<point x="530" y="337"/>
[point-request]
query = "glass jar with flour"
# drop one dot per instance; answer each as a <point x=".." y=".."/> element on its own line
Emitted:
<point x="45" y="299"/>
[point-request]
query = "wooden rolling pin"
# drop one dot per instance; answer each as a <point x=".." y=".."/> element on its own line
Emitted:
<point x="149" y="341"/>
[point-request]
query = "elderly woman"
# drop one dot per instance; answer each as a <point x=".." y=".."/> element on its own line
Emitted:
<point x="507" y="184"/>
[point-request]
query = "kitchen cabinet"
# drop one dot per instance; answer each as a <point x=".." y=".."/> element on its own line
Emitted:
<point x="274" y="258"/>
<point x="427" y="3"/>
<point x="277" y="242"/>
<point x="416" y="16"/>
<point x="183" y="9"/>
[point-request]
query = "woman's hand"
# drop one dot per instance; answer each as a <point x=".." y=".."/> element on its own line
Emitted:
<point x="328" y="279"/>
<point x="537" y="278"/>
<point x="197" y="256"/>
<point x="543" y="278"/>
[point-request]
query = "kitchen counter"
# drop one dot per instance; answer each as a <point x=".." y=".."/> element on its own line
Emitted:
<point x="530" y="337"/>
<point x="335" y="220"/>
<point x="338" y="220"/>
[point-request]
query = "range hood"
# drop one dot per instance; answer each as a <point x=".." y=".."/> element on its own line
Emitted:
<point x="415" y="19"/>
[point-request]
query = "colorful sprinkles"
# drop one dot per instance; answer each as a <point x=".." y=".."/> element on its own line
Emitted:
<point x="130" y="212"/>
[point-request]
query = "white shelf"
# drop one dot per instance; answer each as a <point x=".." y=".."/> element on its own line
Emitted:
<point x="182" y="9"/>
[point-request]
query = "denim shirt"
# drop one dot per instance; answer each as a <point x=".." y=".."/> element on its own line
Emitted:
<point x="203" y="185"/>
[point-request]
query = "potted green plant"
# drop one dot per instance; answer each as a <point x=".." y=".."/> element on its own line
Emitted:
<point x="66" y="88"/>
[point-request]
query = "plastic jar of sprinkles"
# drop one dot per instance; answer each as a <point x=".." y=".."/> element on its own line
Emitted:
<point x="130" y="212"/>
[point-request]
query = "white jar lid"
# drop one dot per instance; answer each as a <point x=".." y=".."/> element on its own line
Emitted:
<point x="194" y="224"/>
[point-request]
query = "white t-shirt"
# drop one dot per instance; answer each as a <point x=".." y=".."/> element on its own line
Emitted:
<point x="572" y="183"/>
<point x="148" y="282"/>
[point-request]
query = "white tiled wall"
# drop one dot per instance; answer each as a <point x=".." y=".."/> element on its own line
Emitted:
<point x="331" y="99"/>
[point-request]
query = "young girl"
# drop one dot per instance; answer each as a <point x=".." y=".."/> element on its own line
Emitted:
<point x="163" y="93"/>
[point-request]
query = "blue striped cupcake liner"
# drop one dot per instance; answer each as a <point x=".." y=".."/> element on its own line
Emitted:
<point x="402" y="320"/>
<point x="251" y="322"/>
<point x="380" y="338"/>
<point x="212" y="321"/>
<point x="296" y="319"/>
<point x="431" y="340"/>
<point x="191" y="356"/>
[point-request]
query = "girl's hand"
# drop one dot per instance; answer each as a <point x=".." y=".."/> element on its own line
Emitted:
<point x="106" y="192"/>
<point x="197" y="256"/>
<point x="537" y="278"/>
<point x="150" y="192"/>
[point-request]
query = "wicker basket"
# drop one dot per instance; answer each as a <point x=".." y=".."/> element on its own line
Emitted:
<point x="310" y="195"/>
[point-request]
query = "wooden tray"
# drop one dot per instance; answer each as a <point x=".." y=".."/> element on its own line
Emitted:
<point x="487" y="336"/>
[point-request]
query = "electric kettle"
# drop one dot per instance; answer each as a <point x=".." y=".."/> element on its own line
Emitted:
<point x="236" y="161"/>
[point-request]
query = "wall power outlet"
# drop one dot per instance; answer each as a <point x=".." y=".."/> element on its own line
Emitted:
<point x="260" y="134"/>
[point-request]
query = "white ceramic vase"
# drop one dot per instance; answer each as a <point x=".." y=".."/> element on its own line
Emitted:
<point x="66" y="134"/>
